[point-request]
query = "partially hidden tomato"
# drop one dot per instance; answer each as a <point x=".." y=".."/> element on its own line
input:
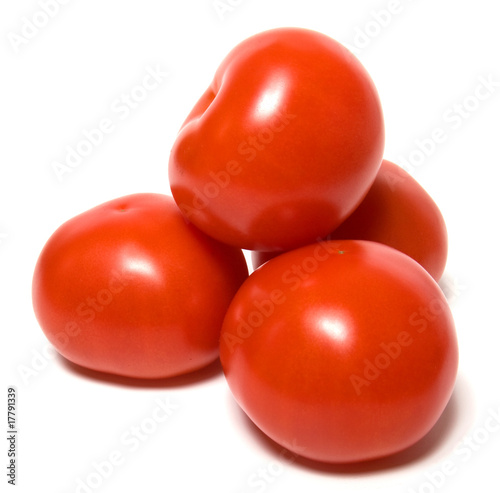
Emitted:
<point x="282" y="146"/>
<point x="341" y="351"/>
<point x="398" y="212"/>
<point x="130" y="288"/>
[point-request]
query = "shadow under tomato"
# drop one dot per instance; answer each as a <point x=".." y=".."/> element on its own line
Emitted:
<point x="213" y="370"/>
<point x="442" y="438"/>
<point x="305" y="220"/>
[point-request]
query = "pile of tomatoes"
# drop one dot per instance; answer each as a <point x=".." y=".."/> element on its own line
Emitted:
<point x="340" y="345"/>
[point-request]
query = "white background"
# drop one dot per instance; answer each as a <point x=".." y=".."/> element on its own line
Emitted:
<point x="427" y="60"/>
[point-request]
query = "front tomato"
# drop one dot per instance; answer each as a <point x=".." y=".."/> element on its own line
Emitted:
<point x="341" y="351"/>
<point x="130" y="288"/>
<point x="282" y="146"/>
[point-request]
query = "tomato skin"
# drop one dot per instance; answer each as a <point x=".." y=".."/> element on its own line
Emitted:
<point x="130" y="288"/>
<point x="341" y="351"/>
<point x="282" y="146"/>
<point x="399" y="213"/>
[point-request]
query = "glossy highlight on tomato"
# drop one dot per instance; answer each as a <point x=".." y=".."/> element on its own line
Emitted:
<point x="130" y="288"/>
<point x="282" y="146"/>
<point x="399" y="213"/>
<point x="341" y="351"/>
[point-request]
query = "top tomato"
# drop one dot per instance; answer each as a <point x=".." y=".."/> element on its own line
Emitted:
<point x="282" y="146"/>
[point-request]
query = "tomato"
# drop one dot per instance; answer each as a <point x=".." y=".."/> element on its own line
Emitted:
<point x="398" y="212"/>
<point x="130" y="288"/>
<point x="341" y="351"/>
<point x="282" y="146"/>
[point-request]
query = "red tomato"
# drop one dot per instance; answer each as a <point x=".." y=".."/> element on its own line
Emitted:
<point x="398" y="212"/>
<point x="130" y="288"/>
<point x="341" y="351"/>
<point x="282" y="146"/>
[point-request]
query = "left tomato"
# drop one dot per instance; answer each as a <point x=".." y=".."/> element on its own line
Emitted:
<point x="131" y="288"/>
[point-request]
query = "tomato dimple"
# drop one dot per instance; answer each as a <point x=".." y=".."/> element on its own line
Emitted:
<point x="303" y="123"/>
